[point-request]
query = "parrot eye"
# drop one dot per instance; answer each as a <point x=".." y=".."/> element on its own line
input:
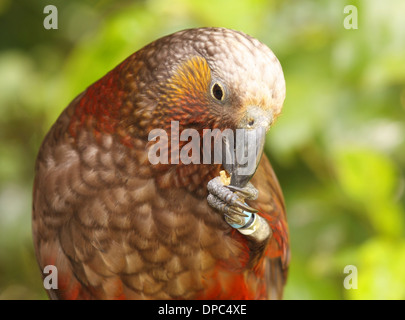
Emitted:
<point x="217" y="91"/>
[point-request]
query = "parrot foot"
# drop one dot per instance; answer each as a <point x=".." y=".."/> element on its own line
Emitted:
<point x="229" y="200"/>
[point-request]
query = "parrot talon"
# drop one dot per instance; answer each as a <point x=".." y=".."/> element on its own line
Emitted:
<point x="237" y="189"/>
<point x="237" y="212"/>
<point x="245" y="207"/>
<point x="248" y="192"/>
<point x="231" y="220"/>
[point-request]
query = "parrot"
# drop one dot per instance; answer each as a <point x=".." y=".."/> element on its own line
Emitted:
<point x="116" y="225"/>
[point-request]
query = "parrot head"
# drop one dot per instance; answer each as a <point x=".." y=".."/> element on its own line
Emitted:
<point x="211" y="78"/>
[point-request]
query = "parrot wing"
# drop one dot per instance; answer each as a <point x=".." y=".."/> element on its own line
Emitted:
<point x="271" y="206"/>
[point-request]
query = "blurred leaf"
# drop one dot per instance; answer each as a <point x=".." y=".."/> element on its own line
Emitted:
<point x="370" y="178"/>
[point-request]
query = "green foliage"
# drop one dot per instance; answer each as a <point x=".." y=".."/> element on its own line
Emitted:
<point x="338" y="148"/>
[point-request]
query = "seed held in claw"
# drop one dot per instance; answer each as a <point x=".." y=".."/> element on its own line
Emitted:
<point x="225" y="178"/>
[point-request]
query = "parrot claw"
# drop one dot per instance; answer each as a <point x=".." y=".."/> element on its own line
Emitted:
<point x="230" y="200"/>
<point x="231" y="220"/>
<point x="245" y="207"/>
<point x="248" y="192"/>
<point x="238" y="212"/>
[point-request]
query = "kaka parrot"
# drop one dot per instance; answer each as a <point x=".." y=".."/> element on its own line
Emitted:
<point x="117" y="226"/>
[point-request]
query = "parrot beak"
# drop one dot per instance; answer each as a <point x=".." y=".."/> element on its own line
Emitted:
<point x="241" y="153"/>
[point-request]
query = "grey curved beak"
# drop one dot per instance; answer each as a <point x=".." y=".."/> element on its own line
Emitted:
<point x="242" y="154"/>
<point x="243" y="149"/>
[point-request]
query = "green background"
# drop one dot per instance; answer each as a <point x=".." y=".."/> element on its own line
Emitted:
<point x="338" y="148"/>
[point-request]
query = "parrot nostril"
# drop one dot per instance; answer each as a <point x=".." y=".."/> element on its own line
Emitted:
<point x="256" y="117"/>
